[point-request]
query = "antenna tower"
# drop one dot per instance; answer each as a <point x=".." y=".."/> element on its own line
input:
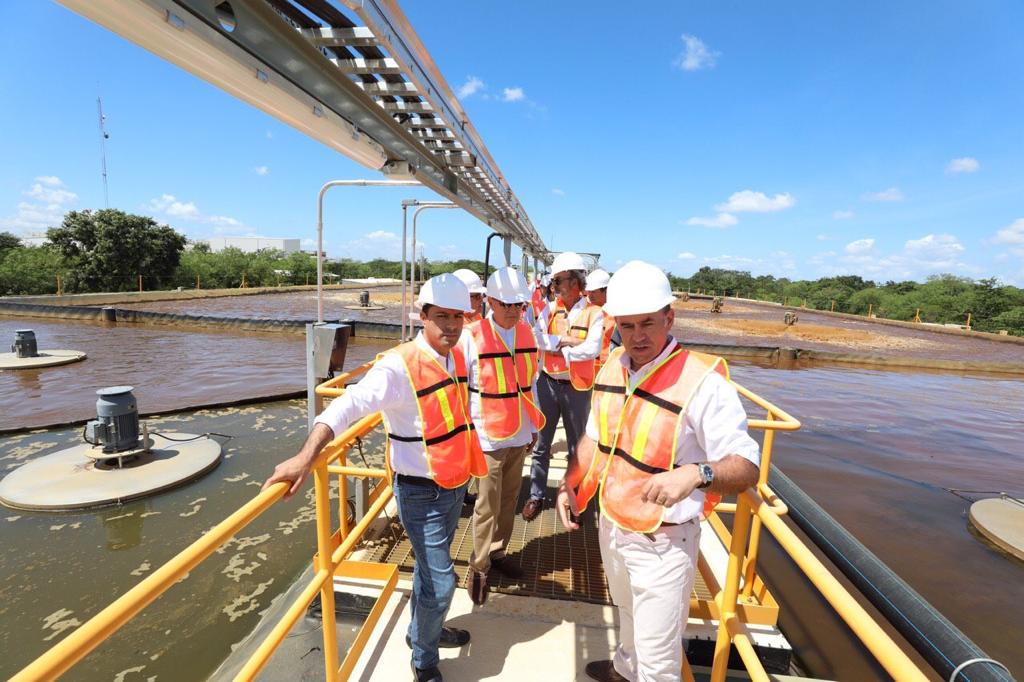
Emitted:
<point x="103" y="150"/>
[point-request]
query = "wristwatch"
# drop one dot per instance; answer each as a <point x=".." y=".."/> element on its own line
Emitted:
<point x="707" y="475"/>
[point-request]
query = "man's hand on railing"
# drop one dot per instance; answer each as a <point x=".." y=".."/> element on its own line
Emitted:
<point x="297" y="468"/>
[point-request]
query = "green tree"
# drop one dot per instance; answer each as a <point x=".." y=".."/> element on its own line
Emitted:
<point x="108" y="249"/>
<point x="29" y="270"/>
<point x="8" y="241"/>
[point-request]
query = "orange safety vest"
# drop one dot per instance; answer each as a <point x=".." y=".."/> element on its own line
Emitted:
<point x="471" y="317"/>
<point x="449" y="438"/>
<point x="606" y="340"/>
<point x="638" y="432"/>
<point x="538" y="301"/>
<point x="579" y="372"/>
<point x="505" y="379"/>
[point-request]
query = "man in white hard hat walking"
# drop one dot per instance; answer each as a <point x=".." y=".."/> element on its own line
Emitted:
<point x="420" y="389"/>
<point x="665" y="428"/>
<point x="503" y="366"/>
<point x="568" y="331"/>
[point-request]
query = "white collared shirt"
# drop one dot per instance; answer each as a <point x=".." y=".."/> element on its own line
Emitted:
<point x="715" y="426"/>
<point x="386" y="389"/>
<point x="526" y="428"/>
<point x="591" y="346"/>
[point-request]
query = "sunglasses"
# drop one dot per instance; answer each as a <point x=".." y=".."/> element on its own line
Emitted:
<point x="520" y="306"/>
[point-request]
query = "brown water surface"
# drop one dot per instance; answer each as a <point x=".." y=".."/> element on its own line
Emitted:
<point x="170" y="368"/>
<point x="877" y="450"/>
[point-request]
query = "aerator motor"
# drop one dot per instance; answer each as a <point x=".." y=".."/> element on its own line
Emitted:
<point x="116" y="427"/>
<point x="25" y="345"/>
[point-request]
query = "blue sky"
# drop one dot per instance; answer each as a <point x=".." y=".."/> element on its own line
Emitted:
<point x="799" y="139"/>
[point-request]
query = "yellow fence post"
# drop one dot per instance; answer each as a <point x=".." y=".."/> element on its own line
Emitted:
<point x="917" y="316"/>
<point x="324" y="560"/>
<point x="730" y="591"/>
<point x="833" y="305"/>
<point x="870" y="306"/>
<point x="197" y="282"/>
<point x="968" y="320"/>
<point x="140" y="283"/>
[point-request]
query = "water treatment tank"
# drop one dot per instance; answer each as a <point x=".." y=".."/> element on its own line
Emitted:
<point x="25" y="344"/>
<point x="116" y="427"/>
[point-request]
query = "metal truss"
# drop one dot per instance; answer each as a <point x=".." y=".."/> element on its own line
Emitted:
<point x="351" y="74"/>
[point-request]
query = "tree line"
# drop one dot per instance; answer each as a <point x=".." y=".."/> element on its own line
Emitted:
<point x="107" y="250"/>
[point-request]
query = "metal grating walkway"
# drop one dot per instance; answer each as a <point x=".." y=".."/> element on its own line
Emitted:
<point x="556" y="564"/>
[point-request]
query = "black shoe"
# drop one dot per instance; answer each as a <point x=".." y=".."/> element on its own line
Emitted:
<point x="427" y="674"/>
<point x="507" y="568"/>
<point x="603" y="671"/>
<point x="451" y="638"/>
<point x="532" y="509"/>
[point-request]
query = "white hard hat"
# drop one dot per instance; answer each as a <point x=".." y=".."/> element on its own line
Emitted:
<point x="471" y="280"/>
<point x="545" y="280"/>
<point x="638" y="288"/>
<point x="598" y="279"/>
<point x="568" y="260"/>
<point x="508" y="286"/>
<point x="445" y="291"/>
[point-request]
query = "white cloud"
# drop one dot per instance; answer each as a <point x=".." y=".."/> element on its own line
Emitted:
<point x="558" y="192"/>
<point x="756" y="202"/>
<point x="964" y="164"/>
<point x="169" y="206"/>
<point x="35" y="217"/>
<point x="860" y="246"/>
<point x="512" y="94"/>
<point x="1011" y="234"/>
<point x="49" y="189"/>
<point x="824" y="237"/>
<point x="720" y="220"/>
<point x="470" y="87"/>
<point x="695" y="55"/>
<point x="935" y="250"/>
<point x="261" y="170"/>
<point x="686" y="255"/>
<point x="891" y="194"/>
<point x="378" y="235"/>
<point x="842" y="215"/>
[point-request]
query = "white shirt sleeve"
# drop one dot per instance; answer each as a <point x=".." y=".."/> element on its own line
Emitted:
<point x="719" y="421"/>
<point x="545" y="341"/>
<point x="591" y="346"/>
<point x="377" y="391"/>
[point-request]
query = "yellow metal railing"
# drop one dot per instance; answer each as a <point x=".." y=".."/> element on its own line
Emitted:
<point x="742" y="600"/>
<point x="330" y="561"/>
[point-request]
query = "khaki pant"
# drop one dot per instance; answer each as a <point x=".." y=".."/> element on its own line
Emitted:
<point x="495" y="508"/>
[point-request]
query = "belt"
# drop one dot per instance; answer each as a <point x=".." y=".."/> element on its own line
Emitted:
<point x="405" y="479"/>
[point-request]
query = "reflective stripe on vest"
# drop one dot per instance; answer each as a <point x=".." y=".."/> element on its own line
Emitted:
<point x="580" y="372"/>
<point x="505" y="379"/>
<point x="638" y="433"/>
<point x="606" y="340"/>
<point x="451" y="446"/>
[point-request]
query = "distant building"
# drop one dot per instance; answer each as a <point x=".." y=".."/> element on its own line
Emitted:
<point x="253" y="244"/>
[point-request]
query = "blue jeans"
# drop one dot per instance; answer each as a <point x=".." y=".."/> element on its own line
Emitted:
<point x="557" y="400"/>
<point x="430" y="515"/>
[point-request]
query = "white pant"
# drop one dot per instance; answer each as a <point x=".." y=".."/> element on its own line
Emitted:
<point x="650" y="578"/>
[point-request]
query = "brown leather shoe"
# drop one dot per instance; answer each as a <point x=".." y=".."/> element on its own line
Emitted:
<point x="476" y="585"/>
<point x="532" y="509"/>
<point x="508" y="569"/>
<point x="604" y="671"/>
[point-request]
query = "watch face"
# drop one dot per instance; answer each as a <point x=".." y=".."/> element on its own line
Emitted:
<point x="707" y="475"/>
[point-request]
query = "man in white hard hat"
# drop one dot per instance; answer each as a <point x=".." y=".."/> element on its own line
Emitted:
<point x="597" y="292"/>
<point x="419" y="387"/>
<point x="476" y="293"/>
<point x="568" y="331"/>
<point x="503" y="365"/>
<point x="666" y="427"/>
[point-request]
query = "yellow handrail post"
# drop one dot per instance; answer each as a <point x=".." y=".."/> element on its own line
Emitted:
<point x="730" y="591"/>
<point x="750" y="567"/>
<point x="322" y="487"/>
<point x="343" y="495"/>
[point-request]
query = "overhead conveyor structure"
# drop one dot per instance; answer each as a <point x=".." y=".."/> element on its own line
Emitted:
<point x="353" y="75"/>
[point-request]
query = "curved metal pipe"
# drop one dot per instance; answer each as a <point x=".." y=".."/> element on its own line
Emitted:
<point x="421" y="206"/>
